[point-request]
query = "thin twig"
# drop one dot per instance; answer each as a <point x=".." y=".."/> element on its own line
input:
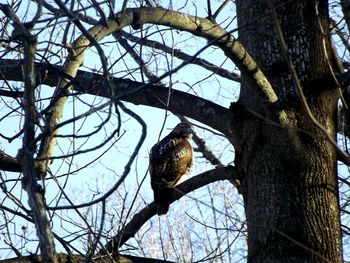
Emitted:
<point x="217" y="12"/>
<point x="209" y="9"/>
<point x="93" y="247"/>
<point x="126" y="168"/>
<point x="100" y="12"/>
<point x="149" y="211"/>
<point x="207" y="153"/>
<point x="182" y="55"/>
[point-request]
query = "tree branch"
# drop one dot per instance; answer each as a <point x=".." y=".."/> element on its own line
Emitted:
<point x="9" y="163"/>
<point x="182" y="55"/>
<point x="217" y="36"/>
<point x="139" y="219"/>
<point x="35" y="193"/>
<point x="345" y="5"/>
<point x="182" y="103"/>
<point x="135" y="17"/>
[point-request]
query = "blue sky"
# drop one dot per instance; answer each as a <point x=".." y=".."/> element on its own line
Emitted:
<point x="99" y="175"/>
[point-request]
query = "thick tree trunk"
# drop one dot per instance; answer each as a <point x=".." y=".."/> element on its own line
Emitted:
<point x="289" y="172"/>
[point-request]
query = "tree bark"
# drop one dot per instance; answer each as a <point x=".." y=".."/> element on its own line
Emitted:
<point x="289" y="184"/>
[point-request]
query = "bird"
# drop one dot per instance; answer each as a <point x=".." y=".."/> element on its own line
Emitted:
<point x="170" y="159"/>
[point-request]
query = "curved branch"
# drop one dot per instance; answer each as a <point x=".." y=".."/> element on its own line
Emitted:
<point x="182" y="103"/>
<point x="139" y="219"/>
<point x="136" y="17"/>
<point x="218" y="36"/>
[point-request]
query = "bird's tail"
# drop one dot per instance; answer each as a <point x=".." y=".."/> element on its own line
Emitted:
<point x="162" y="208"/>
<point x="161" y="199"/>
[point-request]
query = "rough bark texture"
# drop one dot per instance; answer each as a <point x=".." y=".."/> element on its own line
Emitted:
<point x="34" y="191"/>
<point x="289" y="183"/>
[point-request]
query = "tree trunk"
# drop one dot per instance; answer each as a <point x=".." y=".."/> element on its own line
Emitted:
<point x="289" y="171"/>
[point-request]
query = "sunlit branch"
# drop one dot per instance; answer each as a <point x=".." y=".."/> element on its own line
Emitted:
<point x="135" y="18"/>
<point x="87" y="34"/>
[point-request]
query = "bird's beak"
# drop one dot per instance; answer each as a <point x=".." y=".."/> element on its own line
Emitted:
<point x="188" y="132"/>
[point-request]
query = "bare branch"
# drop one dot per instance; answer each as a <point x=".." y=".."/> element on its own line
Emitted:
<point x="345" y="5"/>
<point x="209" y="9"/>
<point x="10" y="93"/>
<point x="207" y="112"/>
<point x="207" y="153"/>
<point x="136" y="17"/>
<point x="221" y="7"/>
<point x="9" y="163"/>
<point x="181" y="190"/>
<point x="35" y="193"/>
<point x="182" y="55"/>
<point x="100" y="12"/>
<point x="59" y="13"/>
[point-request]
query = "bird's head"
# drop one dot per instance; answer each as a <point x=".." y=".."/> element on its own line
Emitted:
<point x="183" y="130"/>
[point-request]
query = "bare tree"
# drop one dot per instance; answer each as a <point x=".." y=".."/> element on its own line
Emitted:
<point x="88" y="88"/>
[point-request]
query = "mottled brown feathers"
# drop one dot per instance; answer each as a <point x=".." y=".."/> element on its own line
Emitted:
<point x="170" y="159"/>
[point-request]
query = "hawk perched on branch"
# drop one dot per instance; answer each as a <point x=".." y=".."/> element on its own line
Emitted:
<point x="170" y="159"/>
